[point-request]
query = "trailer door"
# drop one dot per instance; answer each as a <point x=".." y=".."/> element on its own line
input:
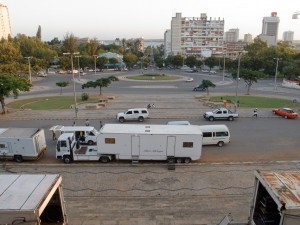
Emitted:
<point x="171" y="145"/>
<point x="135" y="145"/>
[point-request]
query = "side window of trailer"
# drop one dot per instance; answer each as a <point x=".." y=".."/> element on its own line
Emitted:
<point x="188" y="144"/>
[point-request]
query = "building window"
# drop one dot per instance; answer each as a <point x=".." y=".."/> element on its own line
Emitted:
<point x="187" y="144"/>
<point x="110" y="141"/>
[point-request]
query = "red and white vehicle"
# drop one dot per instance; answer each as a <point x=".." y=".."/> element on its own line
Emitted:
<point x="286" y="113"/>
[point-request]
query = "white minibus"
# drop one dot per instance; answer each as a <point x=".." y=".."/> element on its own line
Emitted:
<point x="215" y="134"/>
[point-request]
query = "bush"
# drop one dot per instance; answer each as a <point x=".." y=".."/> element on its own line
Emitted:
<point x="84" y="96"/>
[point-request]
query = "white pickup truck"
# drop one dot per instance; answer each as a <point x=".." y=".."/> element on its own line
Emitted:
<point x="221" y="113"/>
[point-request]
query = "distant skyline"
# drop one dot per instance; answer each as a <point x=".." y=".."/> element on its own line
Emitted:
<point x="108" y="20"/>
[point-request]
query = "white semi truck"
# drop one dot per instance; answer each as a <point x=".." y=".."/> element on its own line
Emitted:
<point x="22" y="143"/>
<point x="135" y="142"/>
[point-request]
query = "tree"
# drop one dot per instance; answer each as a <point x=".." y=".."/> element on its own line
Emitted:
<point x="61" y="85"/>
<point x="191" y="61"/>
<point x="39" y="33"/>
<point x="103" y="82"/>
<point x="69" y="44"/>
<point x="93" y="47"/>
<point x="211" y="62"/>
<point x="178" y="60"/>
<point x="11" y="84"/>
<point x="10" y="56"/>
<point x="207" y="84"/>
<point x="130" y="60"/>
<point x="249" y="76"/>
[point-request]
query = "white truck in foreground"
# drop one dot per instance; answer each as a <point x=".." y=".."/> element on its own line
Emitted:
<point x="135" y="142"/>
<point x="22" y="143"/>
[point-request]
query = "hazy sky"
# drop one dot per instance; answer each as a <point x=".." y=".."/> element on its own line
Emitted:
<point x="111" y="19"/>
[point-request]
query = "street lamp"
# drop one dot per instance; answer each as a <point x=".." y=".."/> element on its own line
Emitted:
<point x="223" y="66"/>
<point x="237" y="80"/>
<point x="95" y="56"/>
<point x="78" y="56"/>
<point x="29" y="67"/>
<point x="72" y="68"/>
<point x="275" y="81"/>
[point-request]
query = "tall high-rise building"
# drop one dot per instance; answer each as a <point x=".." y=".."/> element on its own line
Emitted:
<point x="248" y="38"/>
<point x="4" y="22"/>
<point x="288" y="36"/>
<point x="197" y="35"/>
<point x="167" y="43"/>
<point x="270" y="29"/>
<point x="232" y="35"/>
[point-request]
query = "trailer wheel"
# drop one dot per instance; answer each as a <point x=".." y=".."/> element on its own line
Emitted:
<point x="18" y="158"/>
<point x="187" y="160"/>
<point x="179" y="160"/>
<point x="90" y="142"/>
<point x="121" y="119"/>
<point x="141" y="119"/>
<point x="104" y="159"/>
<point x="220" y="143"/>
<point x="67" y="159"/>
<point x="211" y="118"/>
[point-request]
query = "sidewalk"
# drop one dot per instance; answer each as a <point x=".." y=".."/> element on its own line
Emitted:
<point x="180" y="106"/>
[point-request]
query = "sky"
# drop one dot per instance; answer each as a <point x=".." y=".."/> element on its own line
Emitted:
<point x="111" y="19"/>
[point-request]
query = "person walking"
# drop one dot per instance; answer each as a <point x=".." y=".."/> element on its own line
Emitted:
<point x="101" y="124"/>
<point x="74" y="123"/>
<point x="53" y="135"/>
<point x="87" y="122"/>
<point x="255" y="113"/>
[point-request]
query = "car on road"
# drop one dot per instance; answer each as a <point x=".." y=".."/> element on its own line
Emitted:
<point x="287" y="113"/>
<point x="212" y="72"/>
<point x="133" y="114"/>
<point x="220" y="113"/>
<point x="200" y="87"/>
<point x="190" y="79"/>
<point x="204" y="71"/>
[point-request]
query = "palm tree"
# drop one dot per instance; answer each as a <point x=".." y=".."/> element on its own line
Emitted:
<point x="61" y="85"/>
<point x="207" y="84"/>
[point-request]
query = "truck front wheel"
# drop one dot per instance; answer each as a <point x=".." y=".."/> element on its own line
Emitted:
<point x="104" y="159"/>
<point x="141" y="119"/>
<point x="67" y="159"/>
<point x="230" y="118"/>
<point x="211" y="118"/>
<point x="18" y="158"/>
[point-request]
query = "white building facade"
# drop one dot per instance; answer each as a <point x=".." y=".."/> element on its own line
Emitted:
<point x="197" y="35"/>
<point x="270" y="27"/>
<point x="288" y="36"/>
<point x="5" y="29"/>
<point x="248" y="38"/>
<point x="232" y="35"/>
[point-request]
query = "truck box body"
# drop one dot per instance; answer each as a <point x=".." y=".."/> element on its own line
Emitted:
<point x="150" y="142"/>
<point x="85" y="134"/>
<point x="22" y="143"/>
<point x="32" y="199"/>
<point x="276" y="198"/>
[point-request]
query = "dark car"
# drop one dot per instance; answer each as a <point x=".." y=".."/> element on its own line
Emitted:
<point x="199" y="88"/>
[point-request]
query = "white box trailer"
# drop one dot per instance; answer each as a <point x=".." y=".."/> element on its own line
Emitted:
<point x="22" y="143"/>
<point x="85" y="134"/>
<point x="276" y="199"/>
<point x="32" y="199"/>
<point x="150" y="142"/>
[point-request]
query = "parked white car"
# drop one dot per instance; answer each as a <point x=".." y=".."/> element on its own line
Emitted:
<point x="189" y="79"/>
<point x="133" y="114"/>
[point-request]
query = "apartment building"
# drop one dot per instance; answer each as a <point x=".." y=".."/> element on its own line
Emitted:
<point x="288" y="36"/>
<point x="5" y="29"/>
<point x="232" y="35"/>
<point x="201" y="36"/>
<point x="270" y="27"/>
<point x="167" y="43"/>
<point x="248" y="38"/>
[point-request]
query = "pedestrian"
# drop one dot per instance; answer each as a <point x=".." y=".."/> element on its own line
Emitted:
<point x="74" y="123"/>
<point x="101" y="124"/>
<point x="87" y="122"/>
<point x="53" y="135"/>
<point x="255" y="113"/>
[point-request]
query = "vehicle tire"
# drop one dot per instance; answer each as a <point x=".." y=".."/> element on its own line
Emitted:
<point x="211" y="118"/>
<point x="285" y="117"/>
<point x="67" y="159"/>
<point x="187" y="160"/>
<point x="90" y="142"/>
<point x="121" y="119"/>
<point x="141" y="119"/>
<point x="18" y="158"/>
<point x="104" y="159"/>
<point x="230" y="118"/>
<point x="170" y="160"/>
<point x="179" y="160"/>
<point x="220" y="143"/>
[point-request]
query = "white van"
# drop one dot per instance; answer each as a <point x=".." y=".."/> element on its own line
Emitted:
<point x="85" y="134"/>
<point x="181" y="122"/>
<point x="215" y="135"/>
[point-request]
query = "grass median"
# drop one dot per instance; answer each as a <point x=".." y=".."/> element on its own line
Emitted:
<point x="152" y="77"/>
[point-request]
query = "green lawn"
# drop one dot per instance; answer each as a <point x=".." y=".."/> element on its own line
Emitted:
<point x="259" y="102"/>
<point x="44" y="103"/>
<point x="153" y="76"/>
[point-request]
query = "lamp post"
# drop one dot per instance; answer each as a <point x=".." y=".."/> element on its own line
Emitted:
<point x="95" y="56"/>
<point x="74" y="90"/>
<point x="275" y="79"/>
<point x="29" y="67"/>
<point x="237" y="82"/>
<point x="223" y="66"/>
<point x="78" y="56"/>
